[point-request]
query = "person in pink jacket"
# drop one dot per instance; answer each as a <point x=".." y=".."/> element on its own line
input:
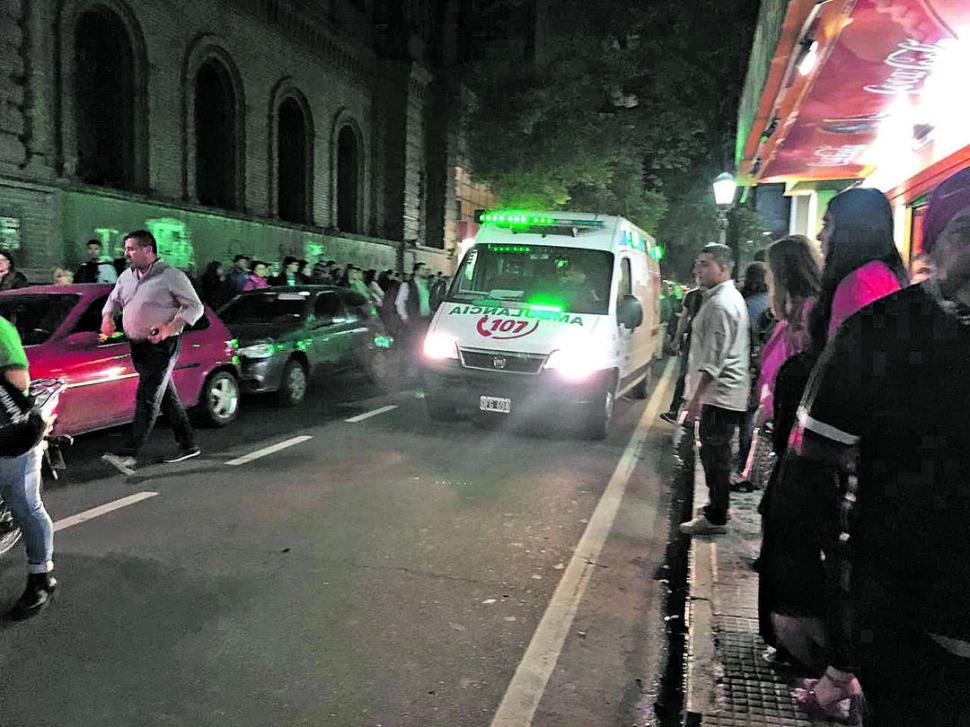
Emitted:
<point x="861" y="264"/>
<point x="794" y="279"/>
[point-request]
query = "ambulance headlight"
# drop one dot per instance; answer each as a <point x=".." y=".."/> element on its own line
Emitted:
<point x="438" y="347"/>
<point x="574" y="364"/>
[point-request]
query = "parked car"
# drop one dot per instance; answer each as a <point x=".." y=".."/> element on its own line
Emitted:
<point x="59" y="326"/>
<point x="288" y="335"/>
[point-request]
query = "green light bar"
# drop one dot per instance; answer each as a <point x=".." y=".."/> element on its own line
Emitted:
<point x="511" y="217"/>
<point x="509" y="248"/>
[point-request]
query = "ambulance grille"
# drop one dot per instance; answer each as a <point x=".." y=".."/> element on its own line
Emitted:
<point x="506" y="362"/>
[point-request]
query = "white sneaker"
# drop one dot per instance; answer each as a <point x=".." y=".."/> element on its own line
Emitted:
<point x="702" y="526"/>
<point x="125" y="465"/>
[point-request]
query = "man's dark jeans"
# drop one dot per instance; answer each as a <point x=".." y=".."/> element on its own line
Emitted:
<point x="154" y="363"/>
<point x="717" y="429"/>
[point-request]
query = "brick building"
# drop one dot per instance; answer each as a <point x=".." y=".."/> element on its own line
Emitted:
<point x="270" y="127"/>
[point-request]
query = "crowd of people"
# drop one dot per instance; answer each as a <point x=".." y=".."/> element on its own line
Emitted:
<point x="853" y="377"/>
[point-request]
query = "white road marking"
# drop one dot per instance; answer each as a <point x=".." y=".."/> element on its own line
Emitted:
<point x="246" y="458"/>
<point x="82" y="517"/>
<point x="525" y="691"/>
<point x="369" y="414"/>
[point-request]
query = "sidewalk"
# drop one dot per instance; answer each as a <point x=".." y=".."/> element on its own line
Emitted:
<point x="726" y="680"/>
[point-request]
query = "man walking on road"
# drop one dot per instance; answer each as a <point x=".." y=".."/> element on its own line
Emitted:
<point x="718" y="380"/>
<point x="156" y="301"/>
<point x="413" y="305"/>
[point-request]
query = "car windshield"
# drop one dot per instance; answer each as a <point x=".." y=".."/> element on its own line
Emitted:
<point x="36" y="317"/>
<point x="562" y="278"/>
<point x="265" y="308"/>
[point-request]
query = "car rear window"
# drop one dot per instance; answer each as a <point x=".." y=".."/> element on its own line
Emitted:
<point x="37" y="317"/>
<point x="264" y="307"/>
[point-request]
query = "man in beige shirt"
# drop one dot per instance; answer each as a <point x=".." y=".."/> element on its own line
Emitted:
<point x="718" y="380"/>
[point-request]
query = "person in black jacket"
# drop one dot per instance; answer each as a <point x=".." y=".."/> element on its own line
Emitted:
<point x="95" y="270"/>
<point x="10" y="277"/>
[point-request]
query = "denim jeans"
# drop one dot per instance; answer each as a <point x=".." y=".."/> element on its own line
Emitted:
<point x="716" y="432"/>
<point x="745" y="436"/>
<point x="154" y="363"/>
<point x="20" y="489"/>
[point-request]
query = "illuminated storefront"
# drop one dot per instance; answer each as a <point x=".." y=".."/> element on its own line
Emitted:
<point x="847" y="91"/>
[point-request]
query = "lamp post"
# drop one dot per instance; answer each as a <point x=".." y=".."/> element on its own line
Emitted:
<point x="724" y="188"/>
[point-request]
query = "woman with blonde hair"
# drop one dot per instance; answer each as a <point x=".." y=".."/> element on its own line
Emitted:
<point x="63" y="277"/>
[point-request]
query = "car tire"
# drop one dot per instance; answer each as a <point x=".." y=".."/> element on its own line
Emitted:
<point x="377" y="367"/>
<point x="219" y="400"/>
<point x="293" y="384"/>
<point x="601" y="414"/>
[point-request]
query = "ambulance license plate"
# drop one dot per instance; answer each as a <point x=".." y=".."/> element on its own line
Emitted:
<point x="495" y="403"/>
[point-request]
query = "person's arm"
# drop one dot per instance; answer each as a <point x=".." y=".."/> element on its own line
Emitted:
<point x="400" y="303"/>
<point x="711" y="347"/>
<point x="13" y="358"/>
<point x="112" y="307"/>
<point x="190" y="307"/>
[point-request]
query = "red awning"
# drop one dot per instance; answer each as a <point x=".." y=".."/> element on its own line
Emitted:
<point x="887" y="99"/>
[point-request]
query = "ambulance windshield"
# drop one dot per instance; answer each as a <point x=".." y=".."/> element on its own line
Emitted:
<point x="555" y="278"/>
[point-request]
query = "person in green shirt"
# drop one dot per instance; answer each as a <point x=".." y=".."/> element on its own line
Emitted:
<point x="20" y="480"/>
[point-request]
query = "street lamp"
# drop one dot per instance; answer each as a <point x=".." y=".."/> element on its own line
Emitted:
<point x="724" y="188"/>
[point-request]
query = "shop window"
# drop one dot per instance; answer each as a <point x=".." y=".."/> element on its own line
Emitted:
<point x="216" y="152"/>
<point x="292" y="165"/>
<point x="105" y="100"/>
<point x="348" y="180"/>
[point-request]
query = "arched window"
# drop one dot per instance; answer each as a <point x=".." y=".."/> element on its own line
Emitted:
<point x="348" y="180"/>
<point x="105" y="93"/>
<point x="216" y="152"/>
<point x="294" y="152"/>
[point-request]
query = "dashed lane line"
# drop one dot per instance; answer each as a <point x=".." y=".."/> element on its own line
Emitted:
<point x="81" y="517"/>
<point x="369" y="414"/>
<point x="528" y="684"/>
<point x="246" y="458"/>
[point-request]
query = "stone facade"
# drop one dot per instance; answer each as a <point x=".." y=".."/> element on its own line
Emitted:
<point x="383" y="69"/>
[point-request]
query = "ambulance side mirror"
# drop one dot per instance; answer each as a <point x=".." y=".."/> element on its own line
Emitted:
<point x="629" y="312"/>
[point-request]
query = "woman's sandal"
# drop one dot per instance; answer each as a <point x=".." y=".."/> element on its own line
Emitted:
<point x="837" y="695"/>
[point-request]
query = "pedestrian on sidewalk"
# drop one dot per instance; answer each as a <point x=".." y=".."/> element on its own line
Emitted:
<point x="718" y="381"/>
<point x="680" y="345"/>
<point x="794" y="279"/>
<point x="754" y="290"/>
<point x="156" y="301"/>
<point x="20" y="481"/>
<point x="861" y="265"/>
<point x="893" y="386"/>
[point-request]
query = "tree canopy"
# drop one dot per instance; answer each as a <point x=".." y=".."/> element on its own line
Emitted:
<point x="625" y="108"/>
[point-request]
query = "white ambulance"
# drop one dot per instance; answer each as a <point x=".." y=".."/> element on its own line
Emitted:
<point x="550" y="314"/>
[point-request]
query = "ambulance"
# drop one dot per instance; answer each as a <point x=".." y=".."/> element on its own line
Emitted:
<point x="550" y="315"/>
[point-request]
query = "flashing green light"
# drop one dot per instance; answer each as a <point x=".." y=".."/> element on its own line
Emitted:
<point x="546" y="304"/>
<point x="658" y="253"/>
<point x="509" y="248"/>
<point x="383" y="341"/>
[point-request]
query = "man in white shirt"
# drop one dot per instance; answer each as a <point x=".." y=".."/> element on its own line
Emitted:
<point x="413" y="305"/>
<point x="718" y="380"/>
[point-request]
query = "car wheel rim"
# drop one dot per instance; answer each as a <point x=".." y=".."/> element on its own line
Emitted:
<point x="224" y="397"/>
<point x="296" y="382"/>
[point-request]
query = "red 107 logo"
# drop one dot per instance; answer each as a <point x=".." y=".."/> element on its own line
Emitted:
<point x="505" y="328"/>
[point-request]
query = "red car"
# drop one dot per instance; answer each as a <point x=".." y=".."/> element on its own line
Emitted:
<point x="59" y="327"/>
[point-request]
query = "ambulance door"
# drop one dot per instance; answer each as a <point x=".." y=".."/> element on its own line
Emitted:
<point x="626" y="339"/>
<point x="645" y="286"/>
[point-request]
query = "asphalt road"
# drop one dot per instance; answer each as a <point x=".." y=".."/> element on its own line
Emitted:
<point x="384" y="571"/>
